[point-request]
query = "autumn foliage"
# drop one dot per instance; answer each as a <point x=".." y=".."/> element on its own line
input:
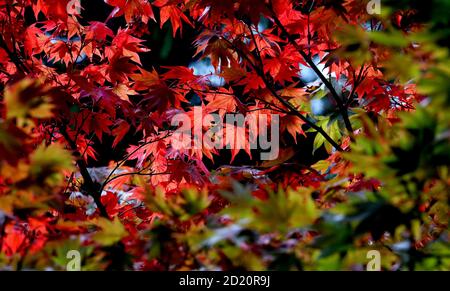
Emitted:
<point x="87" y="163"/>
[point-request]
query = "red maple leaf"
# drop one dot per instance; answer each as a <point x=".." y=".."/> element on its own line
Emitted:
<point x="169" y="9"/>
<point x="121" y="129"/>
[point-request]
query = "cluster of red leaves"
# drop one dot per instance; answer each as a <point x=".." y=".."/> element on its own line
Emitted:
<point x="91" y="71"/>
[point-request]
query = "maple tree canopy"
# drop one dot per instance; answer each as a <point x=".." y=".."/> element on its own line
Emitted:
<point x="357" y="102"/>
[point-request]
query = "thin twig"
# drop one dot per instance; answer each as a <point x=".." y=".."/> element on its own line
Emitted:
<point x="124" y="159"/>
<point x="139" y="173"/>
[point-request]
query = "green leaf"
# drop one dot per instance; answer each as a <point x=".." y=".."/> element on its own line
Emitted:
<point x="28" y="99"/>
<point x="392" y="38"/>
<point x="111" y="231"/>
<point x="48" y="163"/>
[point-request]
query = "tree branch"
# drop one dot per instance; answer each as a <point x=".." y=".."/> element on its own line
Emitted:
<point x="91" y="187"/>
<point x="342" y="108"/>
